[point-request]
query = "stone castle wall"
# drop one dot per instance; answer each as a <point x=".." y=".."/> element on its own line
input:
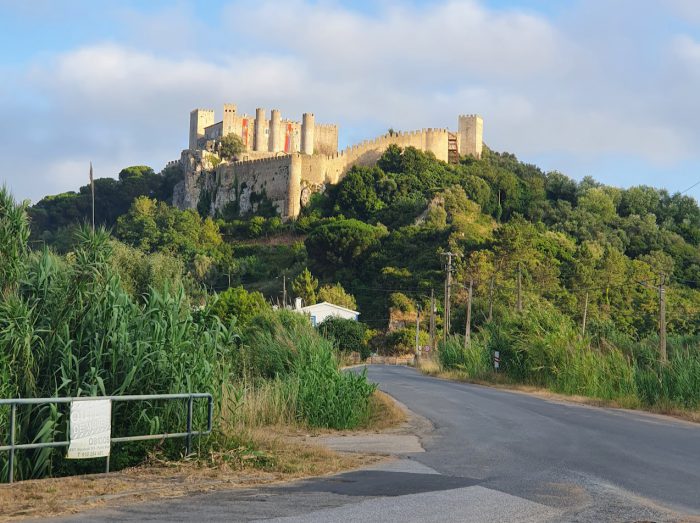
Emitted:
<point x="325" y="139"/>
<point x="275" y="168"/>
<point x="288" y="180"/>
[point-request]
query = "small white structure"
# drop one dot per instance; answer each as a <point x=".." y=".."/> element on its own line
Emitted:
<point x="323" y="310"/>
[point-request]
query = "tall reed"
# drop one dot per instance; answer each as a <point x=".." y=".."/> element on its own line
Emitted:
<point x="543" y="347"/>
<point x="283" y="345"/>
<point x="69" y="328"/>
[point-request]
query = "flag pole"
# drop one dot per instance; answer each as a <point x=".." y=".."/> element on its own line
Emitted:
<point x="92" y="188"/>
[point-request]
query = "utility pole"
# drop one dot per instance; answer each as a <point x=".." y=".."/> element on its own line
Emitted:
<point x="448" y="286"/>
<point x="491" y="299"/>
<point x="585" y="313"/>
<point x="468" y="327"/>
<point x="417" y="333"/>
<point x="519" y="305"/>
<point x="432" y="320"/>
<point x="662" y="320"/>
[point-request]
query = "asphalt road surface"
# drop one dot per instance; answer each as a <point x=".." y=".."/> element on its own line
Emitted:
<point x="493" y="456"/>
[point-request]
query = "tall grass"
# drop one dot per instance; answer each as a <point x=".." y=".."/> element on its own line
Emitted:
<point x="543" y="347"/>
<point x="474" y="360"/>
<point x="69" y="328"/>
<point x="283" y="346"/>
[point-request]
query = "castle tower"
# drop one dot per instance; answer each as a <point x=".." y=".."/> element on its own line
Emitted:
<point x="229" y="118"/>
<point x="199" y="119"/>
<point x="275" y="131"/>
<point x="436" y="141"/>
<point x="470" y="132"/>
<point x="259" y="143"/>
<point x="307" y="133"/>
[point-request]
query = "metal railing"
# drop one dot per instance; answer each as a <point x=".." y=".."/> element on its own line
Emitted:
<point x="189" y="434"/>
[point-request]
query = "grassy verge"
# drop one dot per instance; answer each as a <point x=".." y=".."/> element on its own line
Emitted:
<point x="542" y="349"/>
<point x="431" y="367"/>
<point x="385" y="413"/>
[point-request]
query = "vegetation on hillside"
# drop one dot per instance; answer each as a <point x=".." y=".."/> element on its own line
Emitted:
<point x="89" y="323"/>
<point x="580" y="248"/>
<point x="54" y="218"/>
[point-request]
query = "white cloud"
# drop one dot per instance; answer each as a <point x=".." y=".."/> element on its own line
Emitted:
<point x="452" y="39"/>
<point x="544" y="88"/>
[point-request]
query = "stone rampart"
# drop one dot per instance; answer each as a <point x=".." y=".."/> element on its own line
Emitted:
<point x="326" y="139"/>
<point x="288" y="179"/>
<point x="246" y="182"/>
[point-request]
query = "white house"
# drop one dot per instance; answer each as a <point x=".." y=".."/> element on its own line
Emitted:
<point x="321" y="311"/>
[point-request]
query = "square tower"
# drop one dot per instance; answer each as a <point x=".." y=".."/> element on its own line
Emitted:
<point x="470" y="132"/>
<point x="229" y="119"/>
<point x="199" y="119"/>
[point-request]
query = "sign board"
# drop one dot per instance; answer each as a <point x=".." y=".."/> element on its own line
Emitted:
<point x="90" y="429"/>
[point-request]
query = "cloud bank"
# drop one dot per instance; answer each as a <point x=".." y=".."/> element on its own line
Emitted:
<point x="581" y="87"/>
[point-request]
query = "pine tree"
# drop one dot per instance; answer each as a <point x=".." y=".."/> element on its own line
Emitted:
<point x="305" y="286"/>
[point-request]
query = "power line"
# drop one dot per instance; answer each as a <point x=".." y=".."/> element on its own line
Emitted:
<point x="691" y="187"/>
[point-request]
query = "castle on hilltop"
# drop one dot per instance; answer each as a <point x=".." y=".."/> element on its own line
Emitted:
<point x="286" y="161"/>
<point x="260" y="135"/>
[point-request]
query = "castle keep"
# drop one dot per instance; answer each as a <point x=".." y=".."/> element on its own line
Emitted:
<point x="286" y="161"/>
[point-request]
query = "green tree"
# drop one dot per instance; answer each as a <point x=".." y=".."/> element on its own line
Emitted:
<point x="337" y="295"/>
<point x="347" y="335"/>
<point x="135" y="171"/>
<point x="357" y="194"/>
<point x="341" y="243"/>
<point x="401" y="302"/>
<point x="152" y="225"/>
<point x="238" y="303"/>
<point x="231" y="146"/>
<point x="305" y="286"/>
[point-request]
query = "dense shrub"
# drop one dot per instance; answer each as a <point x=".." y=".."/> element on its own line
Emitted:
<point x="403" y="341"/>
<point x="346" y="335"/>
<point x="543" y="347"/>
<point x="474" y="359"/>
<point x="283" y="345"/>
<point x="240" y="304"/>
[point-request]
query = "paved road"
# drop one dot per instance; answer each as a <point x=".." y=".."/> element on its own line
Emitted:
<point x="493" y="456"/>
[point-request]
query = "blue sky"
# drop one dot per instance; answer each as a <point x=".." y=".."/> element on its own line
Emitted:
<point x="586" y="87"/>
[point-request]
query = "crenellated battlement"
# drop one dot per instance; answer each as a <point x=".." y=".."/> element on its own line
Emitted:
<point x="265" y="160"/>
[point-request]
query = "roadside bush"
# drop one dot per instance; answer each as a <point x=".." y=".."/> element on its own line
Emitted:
<point x="475" y="360"/>
<point x="240" y="304"/>
<point x="328" y="397"/>
<point x="403" y="341"/>
<point x="346" y="335"/>
<point x="283" y="345"/>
